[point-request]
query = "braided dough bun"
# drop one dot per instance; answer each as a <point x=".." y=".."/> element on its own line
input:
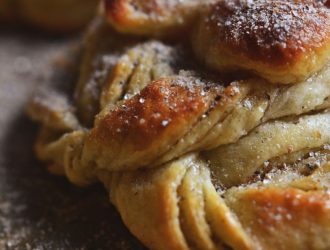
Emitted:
<point x="147" y="118"/>
<point x="60" y="16"/>
<point x="282" y="41"/>
<point x="192" y="159"/>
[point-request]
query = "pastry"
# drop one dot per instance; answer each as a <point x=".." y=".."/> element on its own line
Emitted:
<point x="153" y="18"/>
<point x="60" y="16"/>
<point x="195" y="155"/>
<point x="282" y="41"/>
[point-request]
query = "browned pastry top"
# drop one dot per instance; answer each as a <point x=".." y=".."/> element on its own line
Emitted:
<point x="276" y="32"/>
<point x="162" y="108"/>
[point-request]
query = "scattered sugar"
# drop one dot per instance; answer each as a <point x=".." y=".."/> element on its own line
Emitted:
<point x="268" y="24"/>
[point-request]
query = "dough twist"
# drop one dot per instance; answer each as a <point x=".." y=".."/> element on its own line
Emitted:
<point x="195" y="159"/>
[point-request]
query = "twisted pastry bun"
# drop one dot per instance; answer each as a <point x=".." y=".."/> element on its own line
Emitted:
<point x="143" y="124"/>
<point x="193" y="159"/>
<point x="282" y="41"/>
<point x="60" y="16"/>
<point x="158" y="18"/>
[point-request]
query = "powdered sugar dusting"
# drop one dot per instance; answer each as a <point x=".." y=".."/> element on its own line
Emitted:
<point x="272" y="29"/>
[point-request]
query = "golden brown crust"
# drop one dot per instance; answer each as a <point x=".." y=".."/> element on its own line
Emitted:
<point x="148" y="124"/>
<point x="300" y="220"/>
<point x="283" y="41"/>
<point x="162" y="107"/>
<point x="270" y="31"/>
<point x="118" y="11"/>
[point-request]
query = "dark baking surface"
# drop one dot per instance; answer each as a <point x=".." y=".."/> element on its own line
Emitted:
<point x="37" y="210"/>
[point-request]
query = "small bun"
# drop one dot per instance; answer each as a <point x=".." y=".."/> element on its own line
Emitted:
<point x="157" y="18"/>
<point x="282" y="41"/>
<point x="54" y="16"/>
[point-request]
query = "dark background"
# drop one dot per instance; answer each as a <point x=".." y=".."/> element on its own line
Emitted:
<point x="38" y="210"/>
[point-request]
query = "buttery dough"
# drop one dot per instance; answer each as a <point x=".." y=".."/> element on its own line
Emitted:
<point x="195" y="158"/>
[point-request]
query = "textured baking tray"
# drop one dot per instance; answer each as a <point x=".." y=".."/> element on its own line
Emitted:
<point x="37" y="210"/>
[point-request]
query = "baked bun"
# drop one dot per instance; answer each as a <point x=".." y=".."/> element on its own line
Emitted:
<point x="59" y="16"/>
<point x="193" y="159"/>
<point x="154" y="107"/>
<point x="282" y="41"/>
<point x="160" y="18"/>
